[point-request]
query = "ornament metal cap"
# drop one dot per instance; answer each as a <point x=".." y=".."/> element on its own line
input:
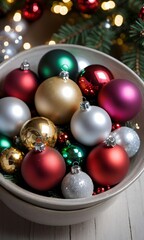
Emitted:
<point x="39" y="146"/>
<point x="110" y="141"/>
<point x="84" y="106"/>
<point x="25" y="65"/>
<point x="64" y="75"/>
<point x="75" y="169"/>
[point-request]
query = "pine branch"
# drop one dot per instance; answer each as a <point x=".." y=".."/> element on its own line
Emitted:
<point x="137" y="31"/>
<point x="73" y="34"/>
<point x="134" y="59"/>
<point x="101" y="39"/>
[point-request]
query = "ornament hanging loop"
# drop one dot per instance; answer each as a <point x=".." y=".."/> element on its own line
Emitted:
<point x="25" y="65"/>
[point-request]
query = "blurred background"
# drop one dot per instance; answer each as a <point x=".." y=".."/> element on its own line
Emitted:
<point x="114" y="27"/>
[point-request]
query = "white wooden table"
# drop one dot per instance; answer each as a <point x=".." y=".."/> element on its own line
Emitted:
<point x="124" y="220"/>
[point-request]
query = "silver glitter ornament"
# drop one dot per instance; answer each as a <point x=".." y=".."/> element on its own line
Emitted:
<point x="77" y="184"/>
<point x="90" y="125"/>
<point x="13" y="114"/>
<point x="128" y="139"/>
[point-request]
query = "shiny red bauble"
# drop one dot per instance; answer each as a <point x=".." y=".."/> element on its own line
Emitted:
<point x="87" y="6"/>
<point x="121" y="98"/>
<point x="32" y="10"/>
<point x="107" y="165"/>
<point x="92" y="78"/>
<point x="43" y="170"/>
<point x="21" y="84"/>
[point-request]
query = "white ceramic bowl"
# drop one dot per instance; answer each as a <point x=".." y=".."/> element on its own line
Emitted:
<point x="85" y="56"/>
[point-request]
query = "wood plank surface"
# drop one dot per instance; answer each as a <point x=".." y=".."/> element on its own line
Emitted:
<point x="123" y="220"/>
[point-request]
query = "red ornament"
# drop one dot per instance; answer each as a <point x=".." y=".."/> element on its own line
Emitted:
<point x="93" y="78"/>
<point x="63" y="137"/>
<point x="107" y="165"/>
<point x="116" y="126"/>
<point x="121" y="98"/>
<point x="87" y="6"/>
<point x="43" y="170"/>
<point x="141" y="13"/>
<point x="101" y="189"/>
<point x="33" y="10"/>
<point x="21" y="83"/>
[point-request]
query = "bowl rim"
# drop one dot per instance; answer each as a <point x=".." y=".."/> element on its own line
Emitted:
<point x="51" y="201"/>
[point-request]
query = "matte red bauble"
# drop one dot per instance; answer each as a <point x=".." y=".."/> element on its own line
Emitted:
<point x="92" y="78"/>
<point x="121" y="98"/>
<point x="107" y="165"/>
<point x="43" y="170"/>
<point x="21" y="83"/>
<point x="87" y="6"/>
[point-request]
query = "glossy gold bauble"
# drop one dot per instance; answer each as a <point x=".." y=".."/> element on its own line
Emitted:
<point x="58" y="99"/>
<point x="10" y="160"/>
<point x="38" y="128"/>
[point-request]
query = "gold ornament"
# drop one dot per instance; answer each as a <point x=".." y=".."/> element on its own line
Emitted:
<point x="38" y="128"/>
<point x="10" y="160"/>
<point x="58" y="98"/>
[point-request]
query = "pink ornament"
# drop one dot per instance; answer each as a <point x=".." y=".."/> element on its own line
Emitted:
<point x="121" y="98"/>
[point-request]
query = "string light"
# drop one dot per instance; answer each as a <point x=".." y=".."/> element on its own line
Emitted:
<point x="51" y="42"/>
<point x="17" y="17"/>
<point x="118" y="20"/>
<point x="61" y="7"/>
<point x="7" y="28"/>
<point x="108" y="5"/>
<point x="26" y="45"/>
<point x="10" y="1"/>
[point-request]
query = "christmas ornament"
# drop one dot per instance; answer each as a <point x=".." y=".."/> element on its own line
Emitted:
<point x="87" y="6"/>
<point x="57" y="98"/>
<point x="107" y="165"/>
<point x="38" y="128"/>
<point x="77" y="184"/>
<point x="90" y="125"/>
<point x="121" y="98"/>
<point x="21" y="83"/>
<point x="5" y="142"/>
<point x="128" y="139"/>
<point x="32" y="10"/>
<point x="141" y="13"/>
<point x="101" y="189"/>
<point x="63" y="137"/>
<point x="11" y="159"/>
<point x="116" y="126"/>
<point x="54" y="61"/>
<point x="92" y="78"/>
<point x="43" y="168"/>
<point x="73" y="154"/>
<point x="13" y="113"/>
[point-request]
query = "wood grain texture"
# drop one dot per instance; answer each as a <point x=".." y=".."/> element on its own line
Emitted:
<point x="123" y="220"/>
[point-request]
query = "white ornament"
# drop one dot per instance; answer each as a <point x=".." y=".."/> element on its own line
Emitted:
<point x="13" y="114"/>
<point x="128" y="139"/>
<point x="90" y="125"/>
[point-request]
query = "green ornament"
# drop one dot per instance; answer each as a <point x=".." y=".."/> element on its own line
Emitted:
<point x="73" y="154"/>
<point x="54" y="61"/>
<point x="5" y="142"/>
